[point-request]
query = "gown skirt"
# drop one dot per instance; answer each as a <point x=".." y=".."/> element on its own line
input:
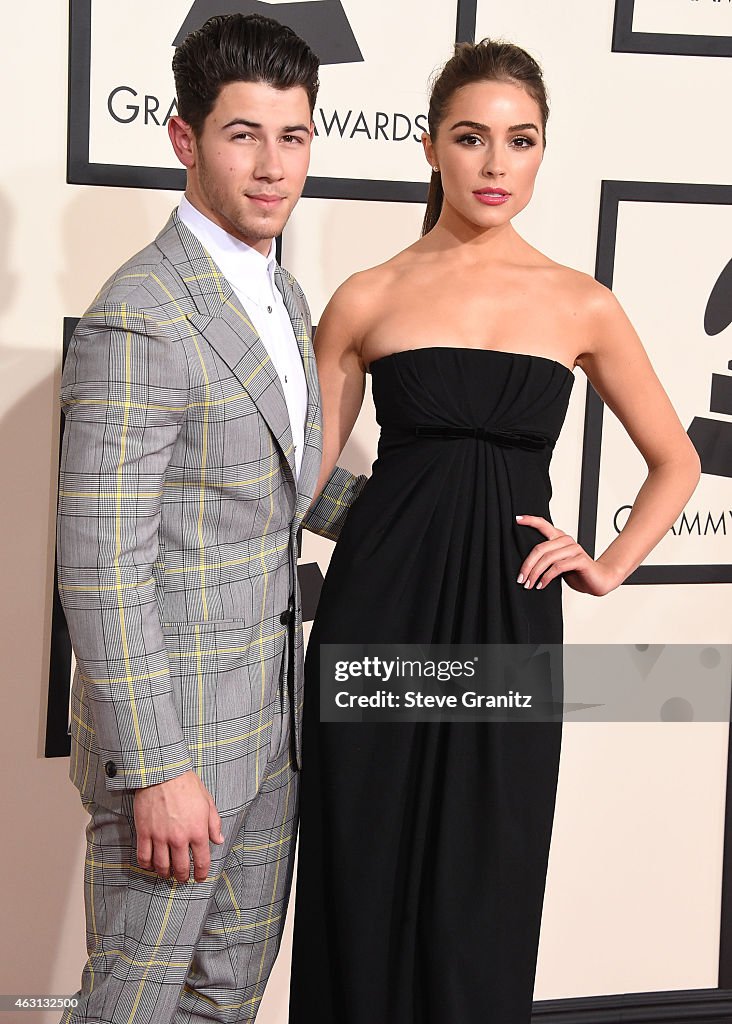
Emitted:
<point x="423" y="846"/>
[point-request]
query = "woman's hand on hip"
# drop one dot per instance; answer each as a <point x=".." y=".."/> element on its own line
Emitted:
<point x="561" y="555"/>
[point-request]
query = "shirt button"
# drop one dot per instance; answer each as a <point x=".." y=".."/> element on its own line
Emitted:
<point x="269" y="309"/>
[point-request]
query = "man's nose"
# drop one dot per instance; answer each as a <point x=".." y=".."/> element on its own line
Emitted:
<point x="269" y="162"/>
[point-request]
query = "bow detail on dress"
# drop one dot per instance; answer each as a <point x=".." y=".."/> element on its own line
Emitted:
<point x="506" y="438"/>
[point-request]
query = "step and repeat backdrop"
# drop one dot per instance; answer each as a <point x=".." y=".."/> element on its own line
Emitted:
<point x="376" y="59"/>
<point x="635" y="188"/>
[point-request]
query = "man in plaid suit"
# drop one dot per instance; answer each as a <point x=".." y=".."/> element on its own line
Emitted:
<point x="190" y="457"/>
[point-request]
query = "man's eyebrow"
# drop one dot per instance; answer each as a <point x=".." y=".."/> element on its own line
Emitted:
<point x="255" y="124"/>
<point x="242" y="121"/>
<point x="484" y="127"/>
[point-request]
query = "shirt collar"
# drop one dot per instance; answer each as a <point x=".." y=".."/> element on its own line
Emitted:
<point x="242" y="265"/>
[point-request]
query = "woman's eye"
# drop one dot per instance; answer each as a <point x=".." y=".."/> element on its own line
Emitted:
<point x="522" y="138"/>
<point x="465" y="138"/>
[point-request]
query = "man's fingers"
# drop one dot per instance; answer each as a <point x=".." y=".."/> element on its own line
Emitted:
<point x="161" y="859"/>
<point x="181" y="863"/>
<point x="214" y="824"/>
<point x="144" y="851"/>
<point x="201" y="859"/>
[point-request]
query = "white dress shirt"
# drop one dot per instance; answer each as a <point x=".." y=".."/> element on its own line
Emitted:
<point x="251" y="275"/>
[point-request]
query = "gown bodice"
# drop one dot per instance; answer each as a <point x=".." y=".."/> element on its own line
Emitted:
<point x="466" y="442"/>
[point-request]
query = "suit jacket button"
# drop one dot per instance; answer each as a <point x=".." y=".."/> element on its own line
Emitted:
<point x="285" y="616"/>
<point x="110" y="769"/>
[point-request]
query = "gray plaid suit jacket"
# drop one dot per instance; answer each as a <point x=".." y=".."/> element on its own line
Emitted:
<point x="178" y="521"/>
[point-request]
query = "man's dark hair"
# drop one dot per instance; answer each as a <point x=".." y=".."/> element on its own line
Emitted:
<point x="239" y="48"/>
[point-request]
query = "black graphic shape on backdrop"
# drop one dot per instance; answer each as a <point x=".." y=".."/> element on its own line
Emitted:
<point x="311" y="582"/>
<point x="718" y="314"/>
<point x="321" y="23"/>
<point x="625" y="40"/>
<point x="713" y="438"/>
<point x="710" y="437"/>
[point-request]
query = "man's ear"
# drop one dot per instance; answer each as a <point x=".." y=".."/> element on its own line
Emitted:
<point x="183" y="140"/>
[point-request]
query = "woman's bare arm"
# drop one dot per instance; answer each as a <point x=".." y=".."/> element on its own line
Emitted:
<point x="619" y="369"/>
<point x="341" y="372"/>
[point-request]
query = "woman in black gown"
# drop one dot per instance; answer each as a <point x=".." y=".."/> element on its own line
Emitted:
<point x="424" y="845"/>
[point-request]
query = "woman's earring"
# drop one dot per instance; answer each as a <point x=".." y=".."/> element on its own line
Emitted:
<point x="436" y="169"/>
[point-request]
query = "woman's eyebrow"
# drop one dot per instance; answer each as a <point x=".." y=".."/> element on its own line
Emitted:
<point x="484" y="127"/>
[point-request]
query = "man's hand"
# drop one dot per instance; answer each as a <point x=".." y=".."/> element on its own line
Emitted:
<point x="172" y="816"/>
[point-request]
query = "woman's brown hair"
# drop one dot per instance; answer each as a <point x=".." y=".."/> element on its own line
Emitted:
<point x="487" y="61"/>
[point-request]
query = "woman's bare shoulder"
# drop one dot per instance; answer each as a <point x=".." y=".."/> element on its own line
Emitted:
<point x="359" y="294"/>
<point x="579" y="286"/>
<point x="355" y="306"/>
<point x="372" y="279"/>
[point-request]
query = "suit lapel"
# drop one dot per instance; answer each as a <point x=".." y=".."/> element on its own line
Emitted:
<point x="233" y="336"/>
<point x="224" y="323"/>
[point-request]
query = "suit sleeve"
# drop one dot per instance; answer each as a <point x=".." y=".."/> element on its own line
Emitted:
<point x="124" y="394"/>
<point x="328" y="512"/>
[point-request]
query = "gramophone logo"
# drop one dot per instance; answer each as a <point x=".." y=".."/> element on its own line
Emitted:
<point x="713" y="438"/>
<point x="321" y="23"/>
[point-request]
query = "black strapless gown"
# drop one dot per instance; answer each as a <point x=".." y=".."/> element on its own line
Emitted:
<point x="423" y="846"/>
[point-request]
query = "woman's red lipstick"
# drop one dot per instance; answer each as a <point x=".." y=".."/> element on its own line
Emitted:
<point x="492" y="196"/>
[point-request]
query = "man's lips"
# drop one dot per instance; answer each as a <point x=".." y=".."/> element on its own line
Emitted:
<point x="265" y="199"/>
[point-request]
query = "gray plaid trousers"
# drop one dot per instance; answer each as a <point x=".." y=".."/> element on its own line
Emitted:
<point x="160" y="950"/>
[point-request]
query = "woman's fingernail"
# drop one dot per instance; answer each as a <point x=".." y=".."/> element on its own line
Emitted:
<point x="519" y="517"/>
<point x="520" y="578"/>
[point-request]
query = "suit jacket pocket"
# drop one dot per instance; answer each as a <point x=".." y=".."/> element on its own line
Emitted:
<point x="203" y="625"/>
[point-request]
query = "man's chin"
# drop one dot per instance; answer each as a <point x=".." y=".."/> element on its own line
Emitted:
<point x="251" y="233"/>
<point x="268" y="225"/>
